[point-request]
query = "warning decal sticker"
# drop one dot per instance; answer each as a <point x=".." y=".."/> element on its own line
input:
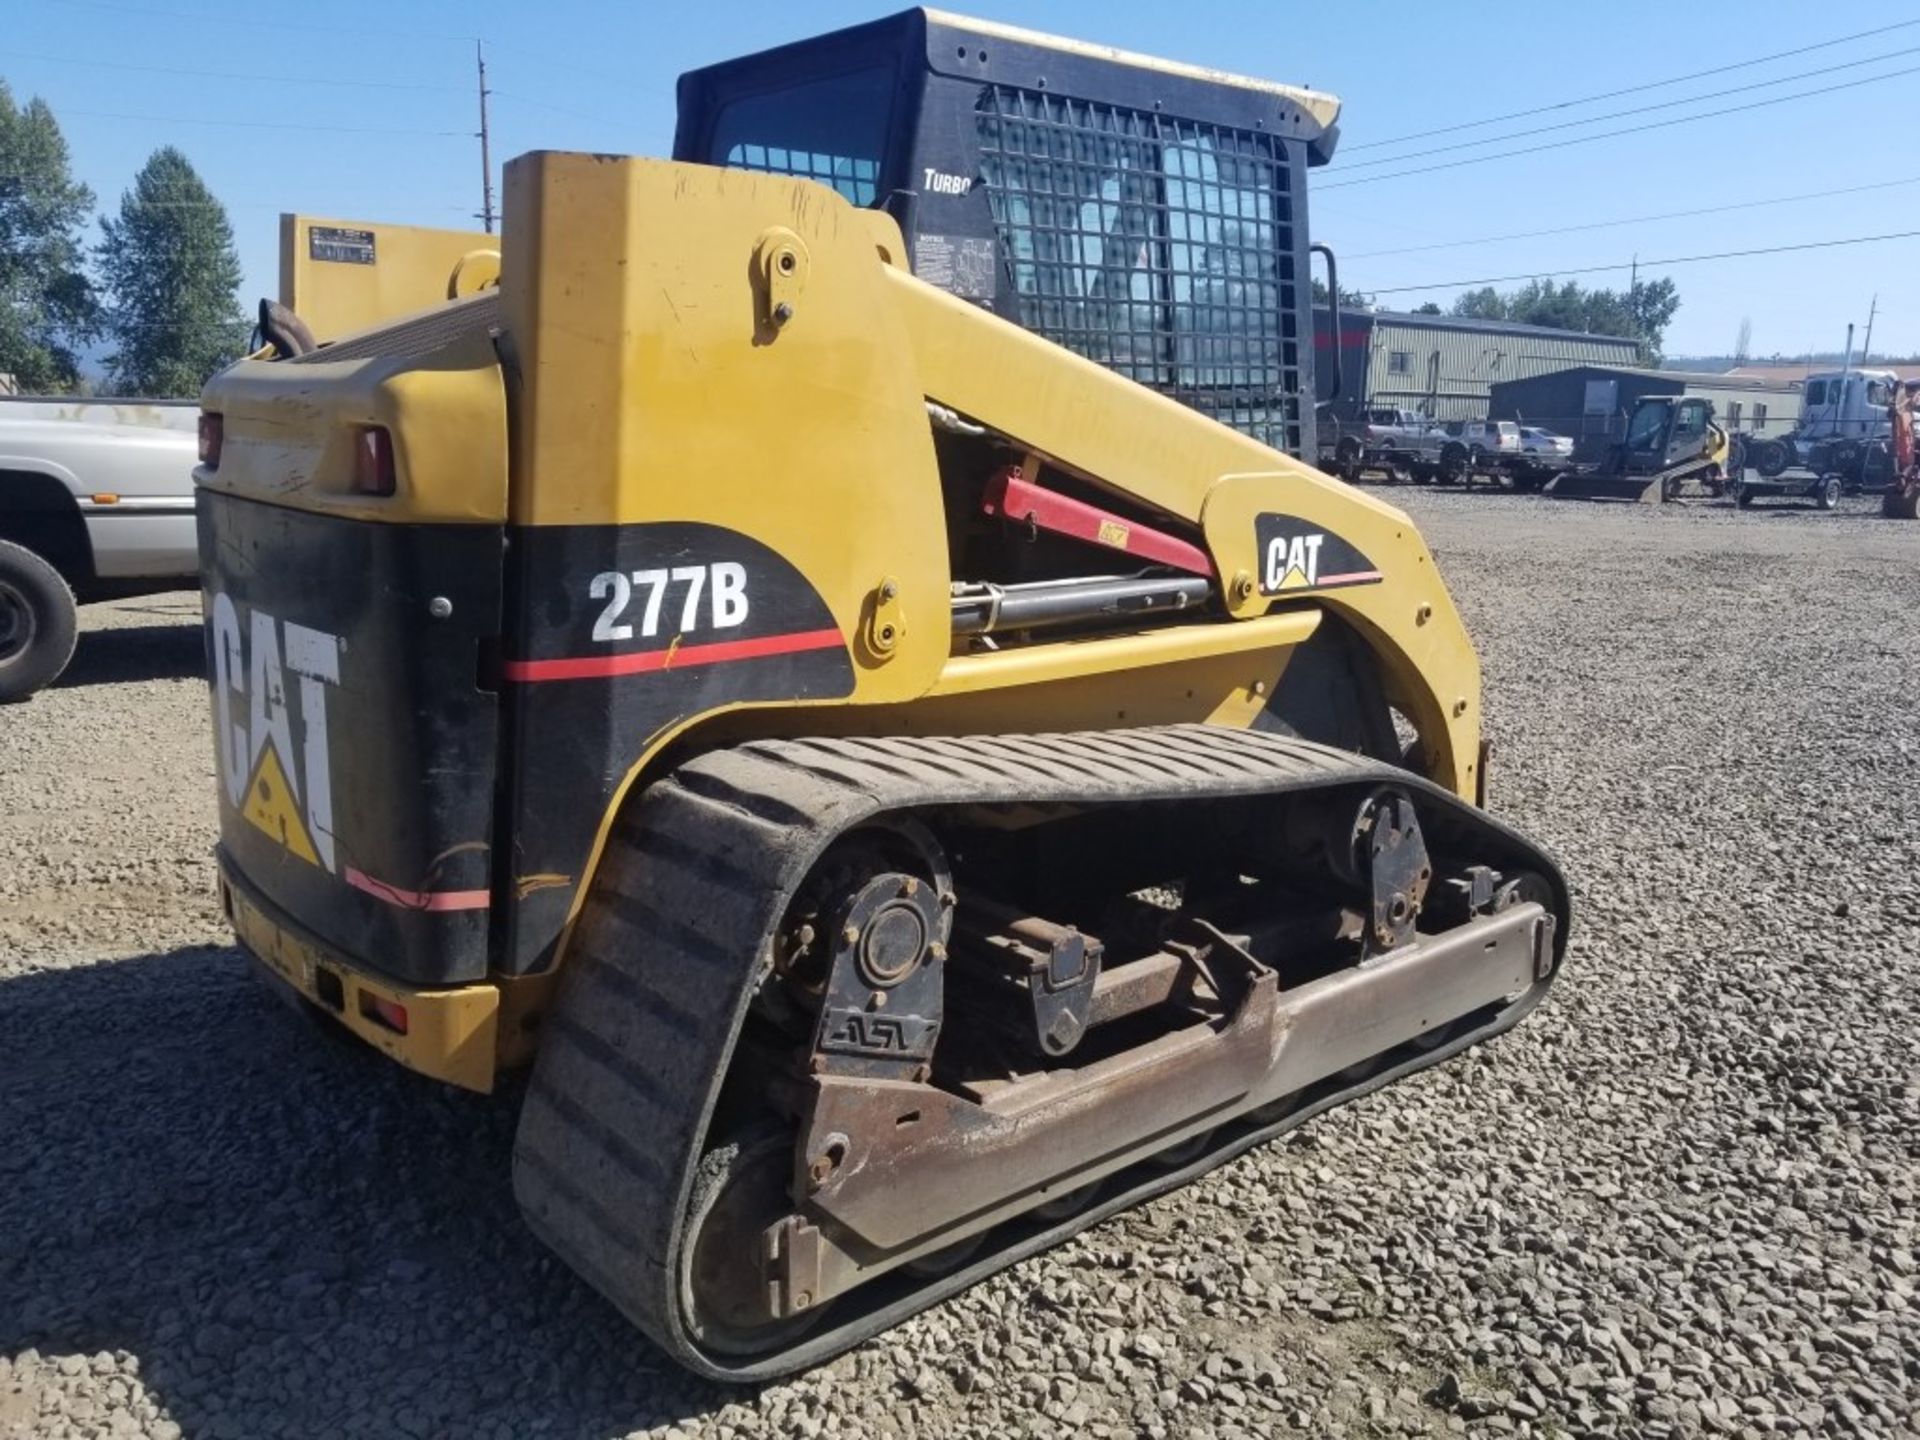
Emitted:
<point x="271" y="805"/>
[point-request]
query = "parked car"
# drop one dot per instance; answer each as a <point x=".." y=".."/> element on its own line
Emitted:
<point x="96" y="501"/>
<point x="1487" y="441"/>
<point x="1544" y="445"/>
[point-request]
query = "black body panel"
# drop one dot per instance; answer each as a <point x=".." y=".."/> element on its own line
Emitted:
<point x="365" y="806"/>
<point x="585" y="700"/>
<point x="374" y="827"/>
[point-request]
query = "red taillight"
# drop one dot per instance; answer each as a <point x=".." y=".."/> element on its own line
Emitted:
<point x="381" y="1011"/>
<point x="372" y="461"/>
<point x="211" y="434"/>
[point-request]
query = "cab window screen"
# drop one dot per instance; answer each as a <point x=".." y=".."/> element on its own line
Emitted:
<point x="832" y="130"/>
<point x="1161" y="248"/>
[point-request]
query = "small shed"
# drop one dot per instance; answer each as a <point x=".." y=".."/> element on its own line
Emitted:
<point x="1594" y="400"/>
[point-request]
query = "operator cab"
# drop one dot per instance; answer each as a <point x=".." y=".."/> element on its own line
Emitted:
<point x="1149" y="216"/>
<point x="1667" y="430"/>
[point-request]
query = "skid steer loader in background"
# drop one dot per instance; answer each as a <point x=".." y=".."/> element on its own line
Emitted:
<point x="1671" y="442"/>
<point x="908" y="789"/>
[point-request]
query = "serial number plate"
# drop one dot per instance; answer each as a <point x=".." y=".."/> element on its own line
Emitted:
<point x="340" y="245"/>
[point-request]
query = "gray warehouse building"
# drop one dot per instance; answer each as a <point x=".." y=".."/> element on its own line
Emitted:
<point x="1443" y="365"/>
<point x="1596" y="399"/>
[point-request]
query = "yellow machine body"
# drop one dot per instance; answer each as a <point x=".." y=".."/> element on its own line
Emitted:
<point x="340" y="276"/>
<point x="651" y="382"/>
<point x="908" y="789"/>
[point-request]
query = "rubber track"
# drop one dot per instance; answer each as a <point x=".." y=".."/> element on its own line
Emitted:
<point x="664" y="962"/>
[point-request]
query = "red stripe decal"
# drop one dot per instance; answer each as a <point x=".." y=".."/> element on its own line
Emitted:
<point x="1358" y="577"/>
<point x="418" y="899"/>
<point x="676" y="657"/>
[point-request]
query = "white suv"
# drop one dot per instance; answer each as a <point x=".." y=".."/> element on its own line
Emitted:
<point x="1487" y="439"/>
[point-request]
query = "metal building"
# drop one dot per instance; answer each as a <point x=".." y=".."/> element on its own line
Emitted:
<point x="1588" y="400"/>
<point x="1445" y="366"/>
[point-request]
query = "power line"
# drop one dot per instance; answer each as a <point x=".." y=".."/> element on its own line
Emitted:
<point x="269" y="125"/>
<point x="1639" y="109"/>
<point x="226" y="21"/>
<point x="1630" y="264"/>
<point x="231" y="205"/>
<point x="1614" y="134"/>
<point x="229" y="74"/>
<point x="557" y="109"/>
<point x="523" y="56"/>
<point x="1633" y="220"/>
<point x="1631" y="89"/>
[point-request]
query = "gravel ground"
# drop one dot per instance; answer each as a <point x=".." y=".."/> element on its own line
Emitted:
<point x="1681" y="1199"/>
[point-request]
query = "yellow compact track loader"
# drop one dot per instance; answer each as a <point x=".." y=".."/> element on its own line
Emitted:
<point x="907" y="789"/>
<point x="1669" y="442"/>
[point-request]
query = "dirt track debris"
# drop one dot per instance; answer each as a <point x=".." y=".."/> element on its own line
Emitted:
<point x="1682" y="1199"/>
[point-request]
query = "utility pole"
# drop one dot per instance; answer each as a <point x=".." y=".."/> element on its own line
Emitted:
<point x="1866" y="345"/>
<point x="486" y="159"/>
<point x="1633" y="309"/>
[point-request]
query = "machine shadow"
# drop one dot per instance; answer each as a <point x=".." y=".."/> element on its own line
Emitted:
<point x="292" y="1235"/>
<point x="139" y="652"/>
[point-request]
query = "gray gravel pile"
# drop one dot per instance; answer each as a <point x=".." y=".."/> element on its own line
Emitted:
<point x="1680" y="1200"/>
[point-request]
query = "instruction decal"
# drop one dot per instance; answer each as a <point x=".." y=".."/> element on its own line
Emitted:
<point x="340" y="245"/>
<point x="961" y="265"/>
<point x="1296" y="556"/>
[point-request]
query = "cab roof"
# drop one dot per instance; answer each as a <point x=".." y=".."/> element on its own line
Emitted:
<point x="959" y="47"/>
<point x="1322" y="107"/>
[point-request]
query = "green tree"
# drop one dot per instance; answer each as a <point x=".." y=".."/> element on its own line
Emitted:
<point x="1641" y="312"/>
<point x="1485" y="303"/>
<point x="47" y="307"/>
<point x="172" y="280"/>
<point x="1349" y="299"/>
<point x="1652" y="306"/>
<point x="1427" y="307"/>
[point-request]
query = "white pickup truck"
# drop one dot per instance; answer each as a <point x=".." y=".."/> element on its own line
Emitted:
<point x="96" y="502"/>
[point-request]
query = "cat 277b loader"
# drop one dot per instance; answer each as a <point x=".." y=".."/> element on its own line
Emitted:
<point x="908" y="790"/>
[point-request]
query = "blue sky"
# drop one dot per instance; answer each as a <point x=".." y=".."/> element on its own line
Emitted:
<point x="372" y="113"/>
